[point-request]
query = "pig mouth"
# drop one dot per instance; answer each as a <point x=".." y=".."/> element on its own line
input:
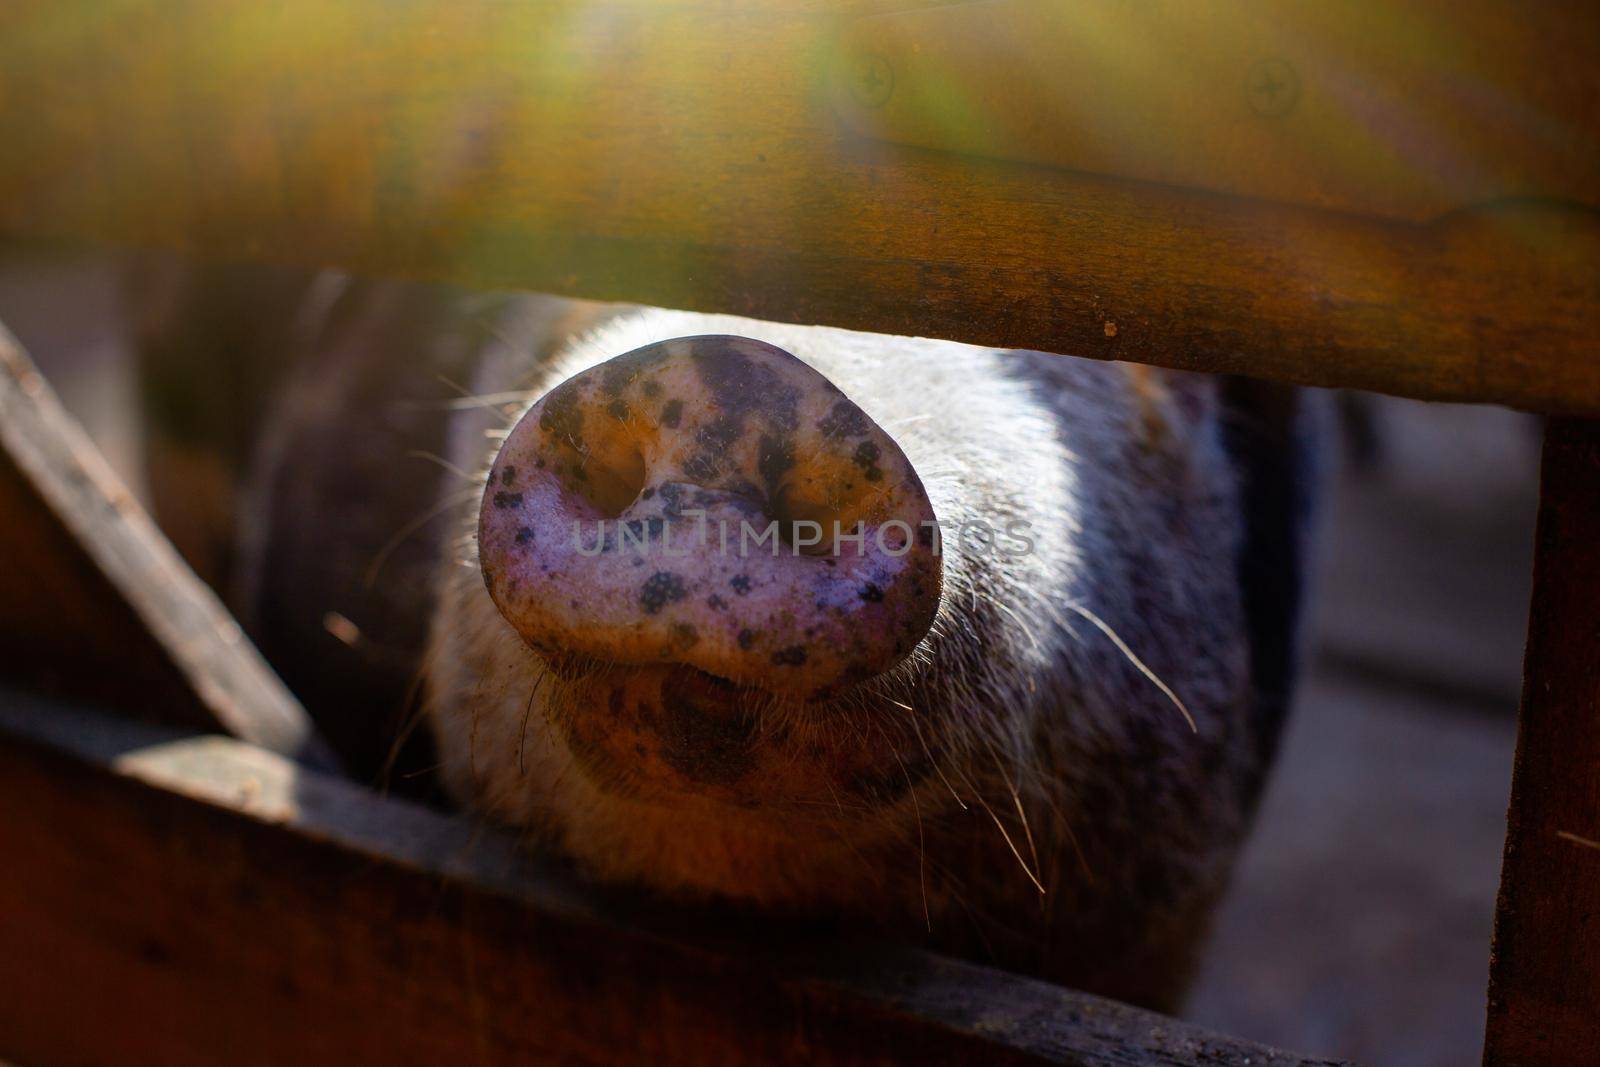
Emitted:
<point x="670" y="734"/>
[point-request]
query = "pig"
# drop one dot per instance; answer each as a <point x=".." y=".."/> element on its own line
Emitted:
<point x="982" y="650"/>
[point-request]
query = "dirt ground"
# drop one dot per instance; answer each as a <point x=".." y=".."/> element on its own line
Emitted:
<point x="1359" y="920"/>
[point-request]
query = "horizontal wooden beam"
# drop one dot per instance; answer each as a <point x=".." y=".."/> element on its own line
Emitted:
<point x="193" y="900"/>
<point x="96" y="603"/>
<point x="1346" y="195"/>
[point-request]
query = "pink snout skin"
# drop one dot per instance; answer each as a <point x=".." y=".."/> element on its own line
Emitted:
<point x="715" y="502"/>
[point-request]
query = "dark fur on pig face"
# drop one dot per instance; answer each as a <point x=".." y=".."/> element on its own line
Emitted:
<point x="1014" y="786"/>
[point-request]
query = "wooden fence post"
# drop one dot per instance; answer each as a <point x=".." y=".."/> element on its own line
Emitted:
<point x="1544" y="972"/>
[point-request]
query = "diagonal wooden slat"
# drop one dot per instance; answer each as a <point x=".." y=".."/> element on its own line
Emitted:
<point x="95" y="602"/>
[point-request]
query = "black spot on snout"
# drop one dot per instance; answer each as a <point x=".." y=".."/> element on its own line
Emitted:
<point x="624" y="370"/>
<point x="672" y="500"/>
<point x="871" y="593"/>
<point x="776" y="460"/>
<point x="659" y="590"/>
<point x="793" y="656"/>
<point x="705" y="746"/>
<point x="503" y="499"/>
<point x="843" y="420"/>
<point x="747" y="386"/>
<point x="713" y="441"/>
<point x="866" y="457"/>
<point x="672" y="414"/>
<point x="561" y="415"/>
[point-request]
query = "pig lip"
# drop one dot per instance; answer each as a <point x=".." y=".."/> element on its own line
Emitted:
<point x="682" y="681"/>
<point x="666" y="734"/>
<point x="711" y="693"/>
<point x="572" y="666"/>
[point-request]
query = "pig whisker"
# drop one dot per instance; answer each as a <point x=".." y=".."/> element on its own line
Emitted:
<point x="1138" y="664"/>
<point x="922" y="843"/>
<point x="1077" y="848"/>
<point x="486" y="401"/>
<point x="1052" y="799"/>
<point x="1000" y="825"/>
<point x="522" y="740"/>
<point x="472" y="740"/>
<point x="492" y="329"/>
<point x="1011" y="845"/>
<point x="938" y="768"/>
<point x="1022" y="624"/>
<point x="842" y="832"/>
<point x="440" y="461"/>
<point x="455" y="500"/>
<point x="414" y="718"/>
<point x="1016" y="799"/>
<point x="910" y="420"/>
<point x="1027" y="828"/>
<point x="836" y="804"/>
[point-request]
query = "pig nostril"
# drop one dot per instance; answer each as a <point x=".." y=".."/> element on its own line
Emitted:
<point x="612" y="486"/>
<point x="608" y="479"/>
<point x="807" y="529"/>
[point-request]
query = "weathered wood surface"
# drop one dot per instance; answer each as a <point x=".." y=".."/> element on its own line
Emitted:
<point x="95" y="602"/>
<point x="1544" y="977"/>
<point x="1340" y="194"/>
<point x="194" y="900"/>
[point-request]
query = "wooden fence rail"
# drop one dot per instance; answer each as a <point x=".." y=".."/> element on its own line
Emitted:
<point x="180" y="900"/>
<point x="1343" y="194"/>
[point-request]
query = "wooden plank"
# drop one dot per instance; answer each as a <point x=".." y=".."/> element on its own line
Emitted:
<point x="95" y="602"/>
<point x="1239" y="97"/>
<point x="1419" y="219"/>
<point x="1544" y="977"/>
<point x="191" y="900"/>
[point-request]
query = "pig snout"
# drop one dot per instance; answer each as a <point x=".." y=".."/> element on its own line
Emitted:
<point x="712" y="502"/>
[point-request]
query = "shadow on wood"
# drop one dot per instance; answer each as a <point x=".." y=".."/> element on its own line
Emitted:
<point x="192" y="900"/>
